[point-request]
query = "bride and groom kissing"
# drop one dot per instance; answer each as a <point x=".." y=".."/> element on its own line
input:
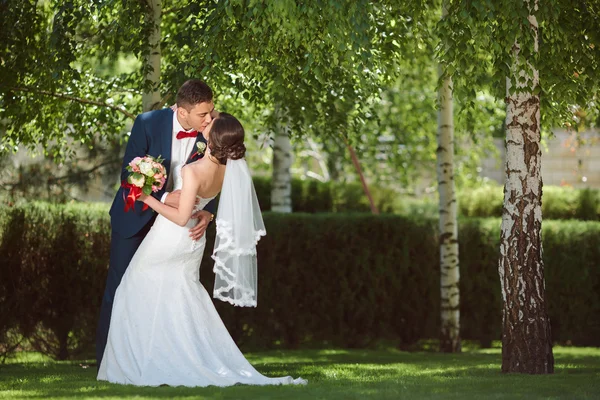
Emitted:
<point x="158" y="325"/>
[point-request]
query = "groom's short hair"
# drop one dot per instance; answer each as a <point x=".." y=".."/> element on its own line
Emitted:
<point x="192" y="92"/>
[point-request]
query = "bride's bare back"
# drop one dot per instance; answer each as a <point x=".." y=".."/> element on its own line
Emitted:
<point x="206" y="174"/>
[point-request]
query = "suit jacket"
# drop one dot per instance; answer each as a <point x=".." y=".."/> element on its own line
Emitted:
<point x="151" y="134"/>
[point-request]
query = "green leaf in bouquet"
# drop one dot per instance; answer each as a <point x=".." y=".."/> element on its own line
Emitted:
<point x="137" y="175"/>
<point x="147" y="190"/>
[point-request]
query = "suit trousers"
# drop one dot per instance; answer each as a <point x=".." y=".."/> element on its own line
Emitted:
<point x="121" y="252"/>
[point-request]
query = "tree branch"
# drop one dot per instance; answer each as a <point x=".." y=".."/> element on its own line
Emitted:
<point x="73" y="98"/>
<point x="164" y="100"/>
<point x="83" y="172"/>
<point x="356" y="163"/>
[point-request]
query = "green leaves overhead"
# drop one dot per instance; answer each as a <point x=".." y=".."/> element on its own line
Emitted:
<point x="306" y="56"/>
<point x="51" y="92"/>
<point x="478" y="37"/>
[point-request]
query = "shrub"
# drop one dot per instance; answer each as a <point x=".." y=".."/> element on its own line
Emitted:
<point x="482" y="202"/>
<point x="557" y="202"/>
<point x="56" y="260"/>
<point x="311" y="196"/>
<point x="588" y="205"/>
<point x="343" y="279"/>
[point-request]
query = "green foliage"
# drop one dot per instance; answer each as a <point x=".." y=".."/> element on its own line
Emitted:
<point x="479" y="286"/>
<point x="572" y="276"/>
<point x="53" y="277"/>
<point x="50" y="93"/>
<point x="317" y="67"/>
<point x="557" y="202"/>
<point x="351" y="280"/>
<point x="311" y="196"/>
<point x="588" y="205"/>
<point x="478" y="38"/>
<point x="483" y="201"/>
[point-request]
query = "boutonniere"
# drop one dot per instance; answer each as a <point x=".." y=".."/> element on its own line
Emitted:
<point x="200" y="148"/>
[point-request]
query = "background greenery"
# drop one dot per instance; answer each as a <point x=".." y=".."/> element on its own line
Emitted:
<point x="480" y="201"/>
<point x="348" y="280"/>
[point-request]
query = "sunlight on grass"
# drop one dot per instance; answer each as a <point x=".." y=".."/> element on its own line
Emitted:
<point x="332" y="374"/>
<point x="51" y="379"/>
<point x="28" y="357"/>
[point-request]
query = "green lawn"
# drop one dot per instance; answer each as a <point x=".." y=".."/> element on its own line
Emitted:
<point x="332" y="374"/>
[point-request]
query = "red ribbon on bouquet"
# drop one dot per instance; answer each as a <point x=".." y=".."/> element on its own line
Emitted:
<point x="134" y="194"/>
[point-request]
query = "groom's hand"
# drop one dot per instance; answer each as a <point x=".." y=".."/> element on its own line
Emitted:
<point x="204" y="218"/>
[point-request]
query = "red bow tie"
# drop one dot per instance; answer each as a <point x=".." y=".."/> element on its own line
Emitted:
<point x="184" y="134"/>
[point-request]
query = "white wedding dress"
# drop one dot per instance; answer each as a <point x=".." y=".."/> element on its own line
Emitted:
<point x="164" y="328"/>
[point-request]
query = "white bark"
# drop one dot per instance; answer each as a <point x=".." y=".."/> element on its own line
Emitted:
<point x="448" y="223"/>
<point x="526" y="342"/>
<point x="314" y="154"/>
<point x="281" y="183"/>
<point x="151" y="98"/>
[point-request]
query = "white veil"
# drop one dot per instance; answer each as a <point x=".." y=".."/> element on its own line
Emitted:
<point x="239" y="228"/>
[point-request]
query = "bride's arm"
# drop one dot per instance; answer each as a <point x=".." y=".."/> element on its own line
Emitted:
<point x="187" y="200"/>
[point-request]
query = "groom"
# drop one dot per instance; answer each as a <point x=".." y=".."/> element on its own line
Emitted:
<point x="173" y="136"/>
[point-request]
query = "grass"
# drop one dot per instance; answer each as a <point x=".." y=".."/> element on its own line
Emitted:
<point x="332" y="374"/>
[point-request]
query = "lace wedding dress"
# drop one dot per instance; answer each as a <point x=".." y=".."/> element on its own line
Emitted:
<point x="164" y="327"/>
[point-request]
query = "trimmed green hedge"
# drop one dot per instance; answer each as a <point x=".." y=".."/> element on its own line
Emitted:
<point x="311" y="196"/>
<point x="557" y="203"/>
<point x="344" y="279"/>
<point x="54" y="262"/>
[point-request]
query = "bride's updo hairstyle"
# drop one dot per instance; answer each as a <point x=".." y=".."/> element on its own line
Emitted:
<point x="226" y="138"/>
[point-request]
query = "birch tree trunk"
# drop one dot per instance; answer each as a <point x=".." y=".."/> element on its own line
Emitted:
<point x="448" y="223"/>
<point x="281" y="183"/>
<point x="151" y="96"/>
<point x="526" y="340"/>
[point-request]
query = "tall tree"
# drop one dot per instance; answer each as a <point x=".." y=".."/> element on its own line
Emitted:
<point x="151" y="98"/>
<point x="524" y="312"/>
<point x="541" y="85"/>
<point x="281" y="178"/>
<point x="448" y="222"/>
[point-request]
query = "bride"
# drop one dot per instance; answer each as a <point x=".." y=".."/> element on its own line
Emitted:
<point x="164" y="328"/>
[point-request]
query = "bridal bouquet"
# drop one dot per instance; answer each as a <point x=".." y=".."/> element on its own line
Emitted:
<point x="147" y="175"/>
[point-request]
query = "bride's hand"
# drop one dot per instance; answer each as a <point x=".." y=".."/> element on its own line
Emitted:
<point x="142" y="197"/>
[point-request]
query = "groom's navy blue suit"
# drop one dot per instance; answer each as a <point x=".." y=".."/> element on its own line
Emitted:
<point x="151" y="134"/>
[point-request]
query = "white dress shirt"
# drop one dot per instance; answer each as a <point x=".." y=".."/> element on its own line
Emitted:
<point x="180" y="151"/>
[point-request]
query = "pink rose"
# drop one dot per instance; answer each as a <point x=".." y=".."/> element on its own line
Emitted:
<point x="134" y="162"/>
<point x="162" y="182"/>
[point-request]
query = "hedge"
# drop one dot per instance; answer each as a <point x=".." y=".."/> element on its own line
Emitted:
<point x="557" y="202"/>
<point x="344" y="279"/>
<point x="311" y="196"/>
